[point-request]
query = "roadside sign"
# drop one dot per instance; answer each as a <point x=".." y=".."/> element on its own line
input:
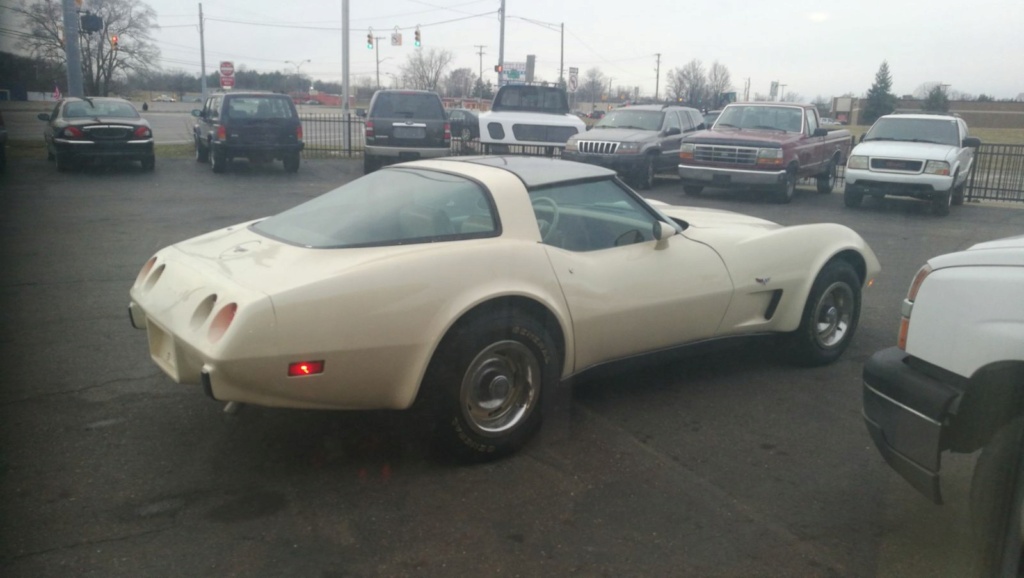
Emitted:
<point x="574" y="79"/>
<point x="396" y="39"/>
<point x="514" y="73"/>
<point x="227" y="68"/>
<point x="227" y="81"/>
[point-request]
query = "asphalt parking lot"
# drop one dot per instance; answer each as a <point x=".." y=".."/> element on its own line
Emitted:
<point x="729" y="465"/>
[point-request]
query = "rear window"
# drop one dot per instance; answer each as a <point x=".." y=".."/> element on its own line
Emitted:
<point x="407" y="105"/>
<point x="259" y="107"/>
<point x="523" y="98"/>
<point x="86" y="109"/>
<point x="395" y="206"/>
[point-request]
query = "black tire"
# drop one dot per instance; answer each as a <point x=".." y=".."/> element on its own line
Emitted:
<point x="827" y="180"/>
<point x="958" y="193"/>
<point x="645" y="174"/>
<point x="852" y="199"/>
<point x="830" y="316"/>
<point x="370" y="164"/>
<point x="487" y="381"/>
<point x="692" y="190"/>
<point x="997" y="503"/>
<point x="64" y="164"/>
<point x="202" y="153"/>
<point x="149" y="163"/>
<point x="941" y="203"/>
<point x="291" y="163"/>
<point x="218" y="161"/>
<point x="786" y="189"/>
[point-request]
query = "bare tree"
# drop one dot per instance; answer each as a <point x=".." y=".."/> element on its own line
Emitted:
<point x="593" y="85"/>
<point x="792" y="96"/>
<point x="923" y="89"/>
<point x="824" y="105"/>
<point x="424" y="70"/>
<point x="694" y="82"/>
<point x="459" y="83"/>
<point x="103" y="58"/>
<point x="676" y="84"/>
<point x="719" y="82"/>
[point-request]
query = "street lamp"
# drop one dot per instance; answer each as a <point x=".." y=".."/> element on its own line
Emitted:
<point x="394" y="76"/>
<point x="298" y="68"/>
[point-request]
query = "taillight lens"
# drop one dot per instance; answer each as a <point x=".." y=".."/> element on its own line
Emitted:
<point x="369" y="129"/>
<point x="298" y="133"/>
<point x="143" y="132"/>
<point x="301" y="368"/>
<point x="447" y="132"/>
<point x="221" y="322"/>
<point x="908" y="305"/>
<point x="72" y="132"/>
<point x="222" y="133"/>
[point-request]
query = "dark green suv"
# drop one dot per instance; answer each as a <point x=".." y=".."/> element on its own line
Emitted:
<point x="260" y="126"/>
<point x="404" y="125"/>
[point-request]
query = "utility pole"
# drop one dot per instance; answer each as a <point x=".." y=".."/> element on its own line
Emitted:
<point x="657" y="76"/>
<point x="345" y="112"/>
<point x="481" y="53"/>
<point x="561" y="60"/>
<point x="72" y="49"/>
<point x="746" y="91"/>
<point x="782" y="92"/>
<point x="501" y="45"/>
<point x="202" y="54"/>
<point x="376" y="49"/>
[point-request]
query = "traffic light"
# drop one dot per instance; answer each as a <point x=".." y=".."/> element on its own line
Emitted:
<point x="113" y="42"/>
<point x="369" y="41"/>
<point x="417" y="42"/>
<point x="498" y="68"/>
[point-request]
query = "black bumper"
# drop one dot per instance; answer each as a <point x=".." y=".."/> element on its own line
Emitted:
<point x="879" y="189"/>
<point x="132" y="150"/>
<point x="253" y="149"/>
<point x="622" y="164"/>
<point x="905" y="412"/>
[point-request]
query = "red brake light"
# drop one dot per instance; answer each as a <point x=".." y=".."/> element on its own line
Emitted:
<point x="301" y="368"/>
<point x="73" y="132"/>
<point x="447" y="132"/>
<point x="143" y="132"/>
<point x="221" y="322"/>
<point x="298" y="133"/>
<point x="222" y="133"/>
<point x="369" y="129"/>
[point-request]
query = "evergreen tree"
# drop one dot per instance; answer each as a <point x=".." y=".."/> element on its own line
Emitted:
<point x="936" y="101"/>
<point x="881" y="100"/>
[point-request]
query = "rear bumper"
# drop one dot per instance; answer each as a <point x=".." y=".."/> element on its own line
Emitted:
<point x="134" y="149"/>
<point x="725" y="178"/>
<point x="905" y="412"/>
<point x="409" y="153"/>
<point x="246" y="149"/>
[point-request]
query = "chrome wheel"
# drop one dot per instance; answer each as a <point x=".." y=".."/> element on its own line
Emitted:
<point x="833" y="314"/>
<point x="500" y="388"/>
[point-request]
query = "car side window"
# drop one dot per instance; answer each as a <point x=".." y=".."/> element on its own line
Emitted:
<point x="56" y="111"/>
<point x="590" y="216"/>
<point x="672" y="121"/>
<point x="812" y="122"/>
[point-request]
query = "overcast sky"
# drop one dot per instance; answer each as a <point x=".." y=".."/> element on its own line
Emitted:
<point x="814" y="47"/>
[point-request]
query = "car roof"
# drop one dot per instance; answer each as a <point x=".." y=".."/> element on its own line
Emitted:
<point x="94" y="98"/>
<point x="922" y="116"/>
<point x="658" y="107"/>
<point x="540" y="171"/>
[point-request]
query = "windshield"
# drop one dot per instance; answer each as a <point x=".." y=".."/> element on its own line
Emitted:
<point x="523" y="98"/>
<point x="637" y="119"/>
<point x="87" y="109"/>
<point x="388" y="207"/>
<point x="937" y="130"/>
<point x="778" y="118"/>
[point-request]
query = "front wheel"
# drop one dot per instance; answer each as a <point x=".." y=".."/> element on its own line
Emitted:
<point x="218" y="161"/>
<point x="786" y="189"/>
<point x="645" y="176"/>
<point x="202" y="153"/>
<point x="487" y="380"/>
<point x="827" y="180"/>
<point x="830" y="316"/>
<point x="997" y="503"/>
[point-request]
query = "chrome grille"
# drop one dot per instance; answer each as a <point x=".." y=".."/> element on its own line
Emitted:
<point x="896" y="165"/>
<point x="597" y="147"/>
<point x="108" y="132"/>
<point x="541" y="133"/>
<point x="725" y="154"/>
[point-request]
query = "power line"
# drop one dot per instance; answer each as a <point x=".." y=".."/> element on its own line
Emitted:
<point x="338" y="28"/>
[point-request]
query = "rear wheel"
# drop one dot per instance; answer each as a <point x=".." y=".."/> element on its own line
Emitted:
<point x="692" y="190"/>
<point x="291" y="163"/>
<point x="218" y="161"/>
<point x="487" y="381"/>
<point x="997" y="503"/>
<point x="202" y="153"/>
<point x="786" y="189"/>
<point x="830" y="316"/>
<point x="827" y="180"/>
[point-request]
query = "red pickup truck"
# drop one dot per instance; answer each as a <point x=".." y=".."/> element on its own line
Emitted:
<point x="767" y="145"/>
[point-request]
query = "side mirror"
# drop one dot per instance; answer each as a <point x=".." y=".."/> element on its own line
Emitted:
<point x="361" y="112"/>
<point x="820" y="131"/>
<point x="663" y="230"/>
<point x="672" y="130"/>
<point x="43" y="116"/>
<point x="197" y="113"/>
<point x="972" y="142"/>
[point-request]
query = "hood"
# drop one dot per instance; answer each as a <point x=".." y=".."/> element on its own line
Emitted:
<point x="905" y="150"/>
<point x="1007" y="252"/>
<point x="716" y="227"/>
<point x="617" y="134"/>
<point x="743" y="137"/>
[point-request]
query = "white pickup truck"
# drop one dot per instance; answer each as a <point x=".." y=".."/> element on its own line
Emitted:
<point x="955" y="382"/>
<point x="528" y="119"/>
<point x="925" y="156"/>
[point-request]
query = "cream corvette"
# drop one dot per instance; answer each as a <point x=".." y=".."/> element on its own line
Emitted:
<point x="473" y="286"/>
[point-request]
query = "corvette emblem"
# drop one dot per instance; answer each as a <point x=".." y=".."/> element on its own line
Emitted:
<point x="763" y="280"/>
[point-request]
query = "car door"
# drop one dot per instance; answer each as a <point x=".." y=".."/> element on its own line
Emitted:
<point x="672" y="134"/>
<point x="627" y="293"/>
